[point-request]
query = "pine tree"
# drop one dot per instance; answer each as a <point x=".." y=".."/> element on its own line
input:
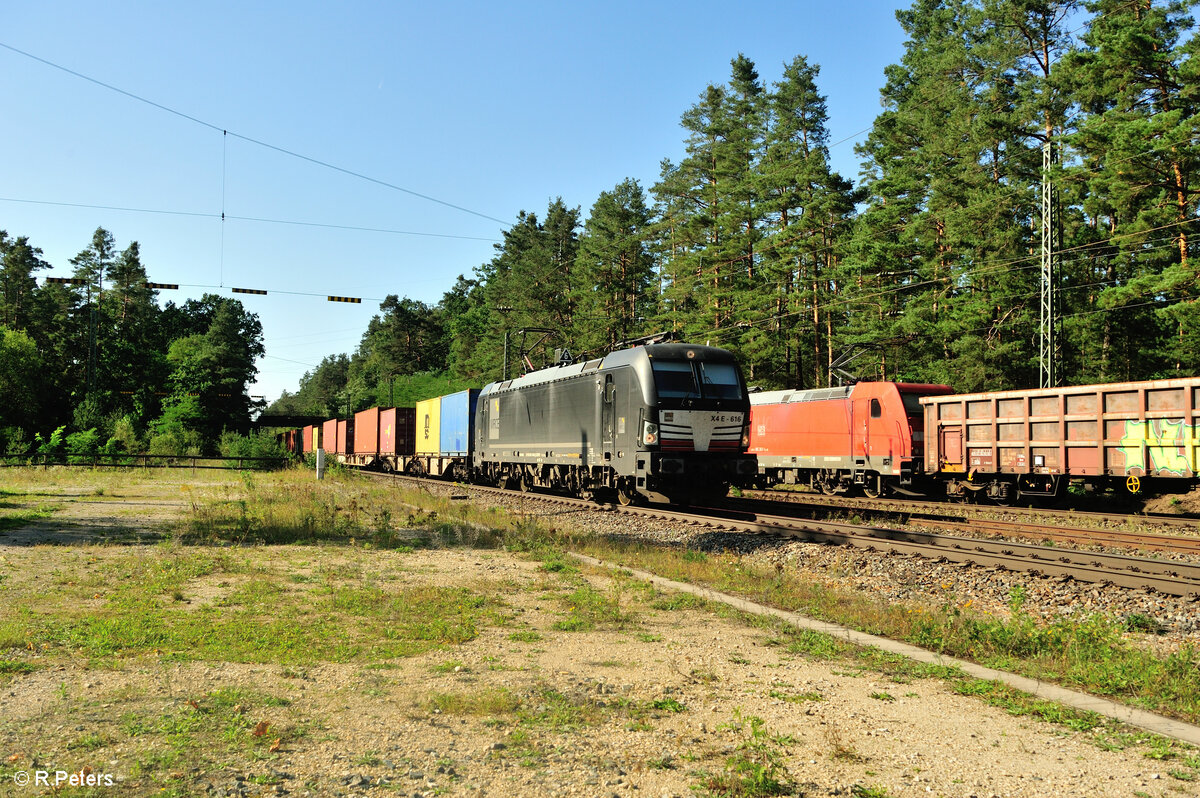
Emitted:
<point x="1134" y="155"/>
<point x="615" y="271"/>
<point x="18" y="263"/>
<point x="806" y="209"/>
<point x="690" y="197"/>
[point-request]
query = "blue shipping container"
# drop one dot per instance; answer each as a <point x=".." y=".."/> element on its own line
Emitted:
<point x="458" y="422"/>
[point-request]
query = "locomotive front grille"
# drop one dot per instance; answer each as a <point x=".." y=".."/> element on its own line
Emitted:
<point x="700" y="431"/>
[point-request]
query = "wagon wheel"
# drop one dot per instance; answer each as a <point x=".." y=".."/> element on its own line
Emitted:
<point x="1133" y="484"/>
<point x="524" y="484"/>
<point x="626" y="496"/>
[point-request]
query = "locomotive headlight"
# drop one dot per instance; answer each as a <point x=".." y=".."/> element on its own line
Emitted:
<point x="746" y="435"/>
<point x="649" y="433"/>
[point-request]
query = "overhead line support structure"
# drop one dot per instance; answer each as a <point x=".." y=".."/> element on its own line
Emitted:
<point x="1046" y="339"/>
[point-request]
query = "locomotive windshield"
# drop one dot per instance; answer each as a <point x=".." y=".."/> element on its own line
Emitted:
<point x="912" y="403"/>
<point x="683" y="379"/>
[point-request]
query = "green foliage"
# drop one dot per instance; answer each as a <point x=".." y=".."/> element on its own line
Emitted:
<point x="21" y="372"/>
<point x="124" y="437"/>
<point x="83" y="446"/>
<point x="176" y="441"/>
<point x="13" y="441"/>
<point x="54" y="447"/>
<point x="256" y="444"/>
<point x="755" y="769"/>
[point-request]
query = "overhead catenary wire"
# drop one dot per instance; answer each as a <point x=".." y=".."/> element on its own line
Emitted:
<point x="255" y="219"/>
<point x="250" y="139"/>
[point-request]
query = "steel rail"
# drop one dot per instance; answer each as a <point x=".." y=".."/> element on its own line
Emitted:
<point x="1081" y="537"/>
<point x="934" y="509"/>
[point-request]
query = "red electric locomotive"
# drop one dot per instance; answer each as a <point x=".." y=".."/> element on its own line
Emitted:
<point x="869" y="435"/>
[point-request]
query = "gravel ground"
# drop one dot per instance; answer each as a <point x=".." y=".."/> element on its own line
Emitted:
<point x="699" y="677"/>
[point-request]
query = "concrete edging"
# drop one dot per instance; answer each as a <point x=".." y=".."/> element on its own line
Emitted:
<point x="1149" y="721"/>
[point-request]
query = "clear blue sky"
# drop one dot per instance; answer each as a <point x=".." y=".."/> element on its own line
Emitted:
<point x="491" y="107"/>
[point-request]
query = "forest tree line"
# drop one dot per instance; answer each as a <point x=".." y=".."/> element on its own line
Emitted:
<point x="924" y="267"/>
<point x="95" y="364"/>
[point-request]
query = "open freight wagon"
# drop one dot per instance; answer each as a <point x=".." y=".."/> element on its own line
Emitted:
<point x="1032" y="443"/>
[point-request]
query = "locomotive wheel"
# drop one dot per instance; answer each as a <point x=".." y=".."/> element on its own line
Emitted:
<point x="872" y="488"/>
<point x="626" y="496"/>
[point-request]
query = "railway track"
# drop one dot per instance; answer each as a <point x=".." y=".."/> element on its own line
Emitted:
<point x="1171" y="577"/>
<point x="1047" y="526"/>
<point x="910" y="508"/>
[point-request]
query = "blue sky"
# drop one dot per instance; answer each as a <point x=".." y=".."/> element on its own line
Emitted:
<point x="491" y="107"/>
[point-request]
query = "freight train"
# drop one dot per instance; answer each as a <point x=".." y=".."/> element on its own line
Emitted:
<point x="660" y="422"/>
<point x="674" y="422"/>
<point x="910" y="439"/>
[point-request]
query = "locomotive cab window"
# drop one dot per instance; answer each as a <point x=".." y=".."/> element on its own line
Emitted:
<point x="876" y="409"/>
<point x="720" y="381"/>
<point x="675" y="379"/>
<point x="678" y="379"/>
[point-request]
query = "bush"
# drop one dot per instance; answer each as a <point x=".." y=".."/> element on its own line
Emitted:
<point x="13" y="442"/>
<point x="181" y="443"/>
<point x="83" y="446"/>
<point x="124" y="437"/>
<point x="88" y="414"/>
<point x="54" y="448"/>
<point x="256" y="444"/>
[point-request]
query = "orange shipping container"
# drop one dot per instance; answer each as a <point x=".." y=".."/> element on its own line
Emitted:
<point x="345" y="435"/>
<point x="366" y="432"/>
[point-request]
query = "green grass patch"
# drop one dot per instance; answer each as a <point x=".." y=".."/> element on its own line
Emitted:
<point x="262" y="618"/>
<point x="290" y="507"/>
<point x="16" y="666"/>
<point x="14" y="516"/>
<point x="209" y="731"/>
<point x="492" y="702"/>
<point x="589" y="609"/>
<point x="525" y="636"/>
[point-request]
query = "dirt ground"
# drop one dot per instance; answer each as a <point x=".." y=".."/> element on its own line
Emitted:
<point x="667" y="703"/>
<point x="1175" y="503"/>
